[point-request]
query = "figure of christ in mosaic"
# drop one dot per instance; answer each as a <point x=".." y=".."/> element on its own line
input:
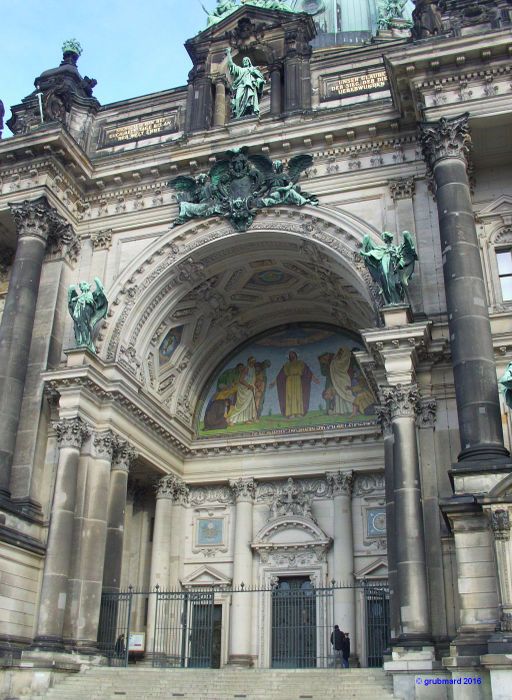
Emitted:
<point x="294" y="386"/>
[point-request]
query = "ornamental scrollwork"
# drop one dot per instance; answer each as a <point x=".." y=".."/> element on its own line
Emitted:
<point x="243" y="489"/>
<point x="500" y="524"/>
<point x="427" y="409"/>
<point x="71" y="432"/>
<point x="402" y="399"/>
<point x="291" y="500"/>
<point x="341" y="482"/>
<point x="124" y="455"/>
<point x="446" y="138"/>
<point x="173" y="488"/>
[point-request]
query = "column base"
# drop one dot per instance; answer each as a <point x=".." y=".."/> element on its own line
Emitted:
<point x="241" y="660"/>
<point x="47" y="643"/>
<point x="413" y="669"/>
<point x="500" y="643"/>
<point x="470" y="643"/>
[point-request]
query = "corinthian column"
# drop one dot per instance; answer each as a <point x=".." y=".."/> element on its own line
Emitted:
<point x="241" y="607"/>
<point x="37" y="223"/>
<point x="71" y="434"/>
<point x="446" y="145"/>
<point x="341" y="483"/>
<point x="123" y="457"/>
<point x="411" y="577"/>
<point x="166" y="543"/>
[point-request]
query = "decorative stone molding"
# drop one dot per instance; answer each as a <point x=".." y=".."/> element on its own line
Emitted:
<point x="210" y="494"/>
<point x="291" y="501"/>
<point x="427" y="410"/>
<point x="243" y="489"/>
<point x="402" y="188"/>
<point x="500" y="524"/>
<point x="173" y="488"/>
<point x="104" y="444"/>
<point x="36" y="218"/>
<point x="384" y="415"/>
<point x="124" y="455"/>
<point x="71" y="432"/>
<point x="367" y="484"/>
<point x="341" y="482"/>
<point x="102" y="240"/>
<point x="447" y="138"/>
<point x="402" y="400"/>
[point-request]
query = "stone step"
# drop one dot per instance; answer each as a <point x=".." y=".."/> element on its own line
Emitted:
<point x="142" y="683"/>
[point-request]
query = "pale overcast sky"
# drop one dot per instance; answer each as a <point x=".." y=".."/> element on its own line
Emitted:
<point x="131" y="47"/>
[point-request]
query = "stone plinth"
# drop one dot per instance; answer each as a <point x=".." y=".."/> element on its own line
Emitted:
<point x="396" y="315"/>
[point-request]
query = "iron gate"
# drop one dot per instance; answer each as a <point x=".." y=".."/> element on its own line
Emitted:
<point x="185" y="626"/>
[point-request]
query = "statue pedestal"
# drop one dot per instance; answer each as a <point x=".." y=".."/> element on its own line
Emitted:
<point x="396" y="315"/>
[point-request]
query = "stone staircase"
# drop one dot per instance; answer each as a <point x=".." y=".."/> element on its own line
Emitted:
<point x="142" y="683"/>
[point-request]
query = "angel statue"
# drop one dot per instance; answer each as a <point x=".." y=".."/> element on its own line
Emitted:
<point x="281" y="186"/>
<point x="87" y="308"/>
<point x="246" y="88"/>
<point x="391" y="266"/>
<point x="505" y="382"/>
<point x="195" y="197"/>
<point x="223" y="9"/>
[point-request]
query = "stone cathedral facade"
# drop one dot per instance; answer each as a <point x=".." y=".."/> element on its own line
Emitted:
<point x="253" y="413"/>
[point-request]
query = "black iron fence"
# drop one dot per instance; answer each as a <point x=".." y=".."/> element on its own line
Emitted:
<point x="184" y="628"/>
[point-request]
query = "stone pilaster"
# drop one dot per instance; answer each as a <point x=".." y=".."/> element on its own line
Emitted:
<point x="384" y="414"/>
<point x="297" y="71"/>
<point x="167" y="540"/>
<point x="71" y="434"/>
<point x="38" y="226"/>
<point x="124" y="455"/>
<point x="500" y="527"/>
<point x="414" y="625"/>
<point x="276" y="92"/>
<point x="89" y="543"/>
<point x="240" y="652"/>
<point x="446" y="145"/>
<point x="341" y="483"/>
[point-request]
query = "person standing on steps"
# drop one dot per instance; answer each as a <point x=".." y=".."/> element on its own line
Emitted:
<point x="337" y="637"/>
<point x="345" y="646"/>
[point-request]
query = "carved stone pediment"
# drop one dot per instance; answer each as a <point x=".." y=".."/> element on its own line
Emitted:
<point x="206" y="576"/>
<point x="291" y="537"/>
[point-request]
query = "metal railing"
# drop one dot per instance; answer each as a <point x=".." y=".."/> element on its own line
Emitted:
<point x="183" y="628"/>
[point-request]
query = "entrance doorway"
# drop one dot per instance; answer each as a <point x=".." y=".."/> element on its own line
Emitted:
<point x="206" y="636"/>
<point x="294" y="623"/>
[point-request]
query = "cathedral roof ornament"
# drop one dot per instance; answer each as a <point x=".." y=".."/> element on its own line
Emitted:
<point x="240" y="185"/>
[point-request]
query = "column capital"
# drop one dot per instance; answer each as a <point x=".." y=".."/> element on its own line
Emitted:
<point x="71" y="432"/>
<point x="384" y="415"/>
<point x="446" y="138"/>
<point x="124" y="455"/>
<point x="103" y="444"/>
<point x="173" y="488"/>
<point x="402" y="188"/>
<point x="243" y="489"/>
<point x="341" y="482"/>
<point x="402" y="400"/>
<point x="500" y="524"/>
<point x="427" y="410"/>
<point x="37" y="218"/>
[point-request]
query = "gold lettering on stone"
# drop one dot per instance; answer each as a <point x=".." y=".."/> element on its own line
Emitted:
<point x="335" y="87"/>
<point x="142" y="129"/>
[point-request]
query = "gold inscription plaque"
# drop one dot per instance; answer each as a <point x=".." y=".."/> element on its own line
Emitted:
<point x="335" y="87"/>
<point x="142" y="129"/>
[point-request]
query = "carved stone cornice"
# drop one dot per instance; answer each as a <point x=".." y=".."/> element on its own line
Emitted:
<point x="104" y="444"/>
<point x="427" y="410"/>
<point x="341" y="482"/>
<point x="71" y="432"/>
<point x="401" y="400"/>
<point x="172" y="488"/>
<point x="402" y="188"/>
<point x="500" y="524"/>
<point x="124" y="455"/>
<point x="446" y="138"/>
<point x="243" y="489"/>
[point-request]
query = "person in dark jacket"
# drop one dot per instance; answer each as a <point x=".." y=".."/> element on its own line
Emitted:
<point x="345" y="648"/>
<point x="337" y="638"/>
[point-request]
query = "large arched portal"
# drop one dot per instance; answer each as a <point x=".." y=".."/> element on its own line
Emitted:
<point x="246" y="342"/>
